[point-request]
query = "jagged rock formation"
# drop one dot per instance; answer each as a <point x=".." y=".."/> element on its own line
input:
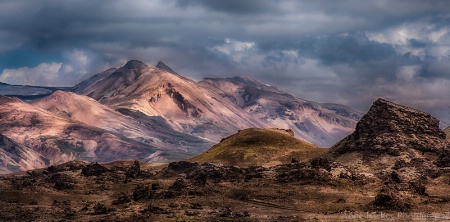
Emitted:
<point x="389" y="128"/>
<point x="402" y="147"/>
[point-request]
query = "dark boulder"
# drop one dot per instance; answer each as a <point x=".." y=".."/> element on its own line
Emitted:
<point x="182" y="166"/>
<point x="93" y="169"/>
<point x="389" y="199"/>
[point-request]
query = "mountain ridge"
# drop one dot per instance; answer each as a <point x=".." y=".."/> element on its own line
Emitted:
<point x="159" y="115"/>
<point x="321" y="124"/>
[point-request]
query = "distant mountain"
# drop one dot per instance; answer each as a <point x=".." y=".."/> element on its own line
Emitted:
<point x="152" y="131"/>
<point x="184" y="104"/>
<point x="60" y="139"/>
<point x="321" y="124"/>
<point x="25" y="92"/>
<point x="154" y="114"/>
<point x="259" y="147"/>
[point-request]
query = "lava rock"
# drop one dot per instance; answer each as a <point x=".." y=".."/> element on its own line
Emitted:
<point x="61" y="181"/>
<point x="154" y="210"/>
<point x="100" y="208"/>
<point x="305" y="175"/>
<point x="122" y="199"/>
<point x="320" y="162"/>
<point x="94" y="169"/>
<point x="392" y="129"/>
<point x="134" y="171"/>
<point x="389" y="199"/>
<point x="142" y="192"/>
<point x="178" y="185"/>
<point x="182" y="166"/>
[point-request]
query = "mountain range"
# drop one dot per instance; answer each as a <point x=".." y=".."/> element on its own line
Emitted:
<point x="152" y="114"/>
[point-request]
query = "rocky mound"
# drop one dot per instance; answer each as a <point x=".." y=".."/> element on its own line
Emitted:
<point x="402" y="147"/>
<point x="256" y="146"/>
<point x="396" y="130"/>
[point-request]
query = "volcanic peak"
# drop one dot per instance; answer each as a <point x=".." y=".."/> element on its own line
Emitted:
<point x="135" y="64"/>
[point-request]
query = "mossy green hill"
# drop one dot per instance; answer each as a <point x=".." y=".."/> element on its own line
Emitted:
<point x="256" y="146"/>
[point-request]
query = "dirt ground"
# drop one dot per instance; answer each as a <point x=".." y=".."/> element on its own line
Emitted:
<point x="184" y="191"/>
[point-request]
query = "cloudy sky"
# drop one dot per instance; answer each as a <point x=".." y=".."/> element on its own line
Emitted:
<point x="348" y="52"/>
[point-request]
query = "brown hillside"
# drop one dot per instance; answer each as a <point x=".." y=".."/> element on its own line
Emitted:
<point x="256" y="146"/>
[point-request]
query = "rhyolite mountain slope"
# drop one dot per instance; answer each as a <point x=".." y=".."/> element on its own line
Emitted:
<point x="321" y="124"/>
<point x="185" y="105"/>
<point x="60" y="139"/>
<point x="216" y="108"/>
<point x="264" y="147"/>
<point x="152" y="131"/>
<point x="91" y="80"/>
<point x="15" y="157"/>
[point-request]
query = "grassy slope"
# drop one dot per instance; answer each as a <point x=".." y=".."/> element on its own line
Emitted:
<point x="259" y="147"/>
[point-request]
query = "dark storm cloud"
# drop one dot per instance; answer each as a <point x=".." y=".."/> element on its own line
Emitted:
<point x="233" y="6"/>
<point x="347" y="51"/>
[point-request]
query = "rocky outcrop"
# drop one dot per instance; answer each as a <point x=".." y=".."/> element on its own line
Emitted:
<point x="392" y="129"/>
<point x="403" y="147"/>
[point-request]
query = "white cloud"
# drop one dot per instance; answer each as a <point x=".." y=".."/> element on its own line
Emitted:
<point x="73" y="69"/>
<point x="423" y="31"/>
<point x="236" y="50"/>
<point x="408" y="73"/>
<point x="233" y="47"/>
<point x="439" y="51"/>
<point x="42" y="74"/>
